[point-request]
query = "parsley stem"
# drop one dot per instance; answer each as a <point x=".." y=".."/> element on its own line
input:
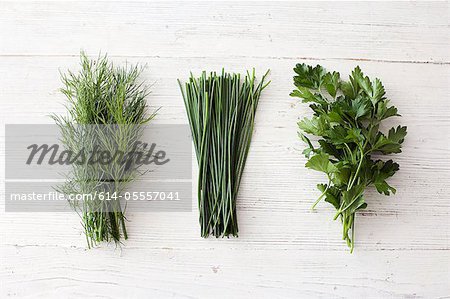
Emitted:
<point x="349" y="150"/>
<point x="357" y="170"/>
<point x="318" y="200"/>
<point x="340" y="211"/>
<point x="353" y="234"/>
<point x="321" y="195"/>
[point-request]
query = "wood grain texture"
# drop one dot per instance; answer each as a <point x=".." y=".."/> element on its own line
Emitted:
<point x="284" y="249"/>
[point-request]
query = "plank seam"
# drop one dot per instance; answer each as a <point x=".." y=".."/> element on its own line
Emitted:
<point x="241" y="57"/>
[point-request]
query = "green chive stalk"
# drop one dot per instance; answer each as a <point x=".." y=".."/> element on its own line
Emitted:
<point x="221" y="111"/>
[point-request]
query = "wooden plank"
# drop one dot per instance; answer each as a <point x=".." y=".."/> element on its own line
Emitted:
<point x="55" y="271"/>
<point x="393" y="31"/>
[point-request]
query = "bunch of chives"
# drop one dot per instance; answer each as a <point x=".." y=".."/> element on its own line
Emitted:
<point x="221" y="111"/>
<point x="106" y="106"/>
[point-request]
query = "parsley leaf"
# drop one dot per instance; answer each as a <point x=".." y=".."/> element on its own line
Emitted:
<point x="321" y="162"/>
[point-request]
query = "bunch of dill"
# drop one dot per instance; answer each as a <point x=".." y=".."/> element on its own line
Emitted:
<point x="106" y="106"/>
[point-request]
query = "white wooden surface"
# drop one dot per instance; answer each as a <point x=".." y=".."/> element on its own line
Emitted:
<point x="284" y="249"/>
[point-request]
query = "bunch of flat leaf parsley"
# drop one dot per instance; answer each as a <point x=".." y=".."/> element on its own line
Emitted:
<point x="346" y="120"/>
